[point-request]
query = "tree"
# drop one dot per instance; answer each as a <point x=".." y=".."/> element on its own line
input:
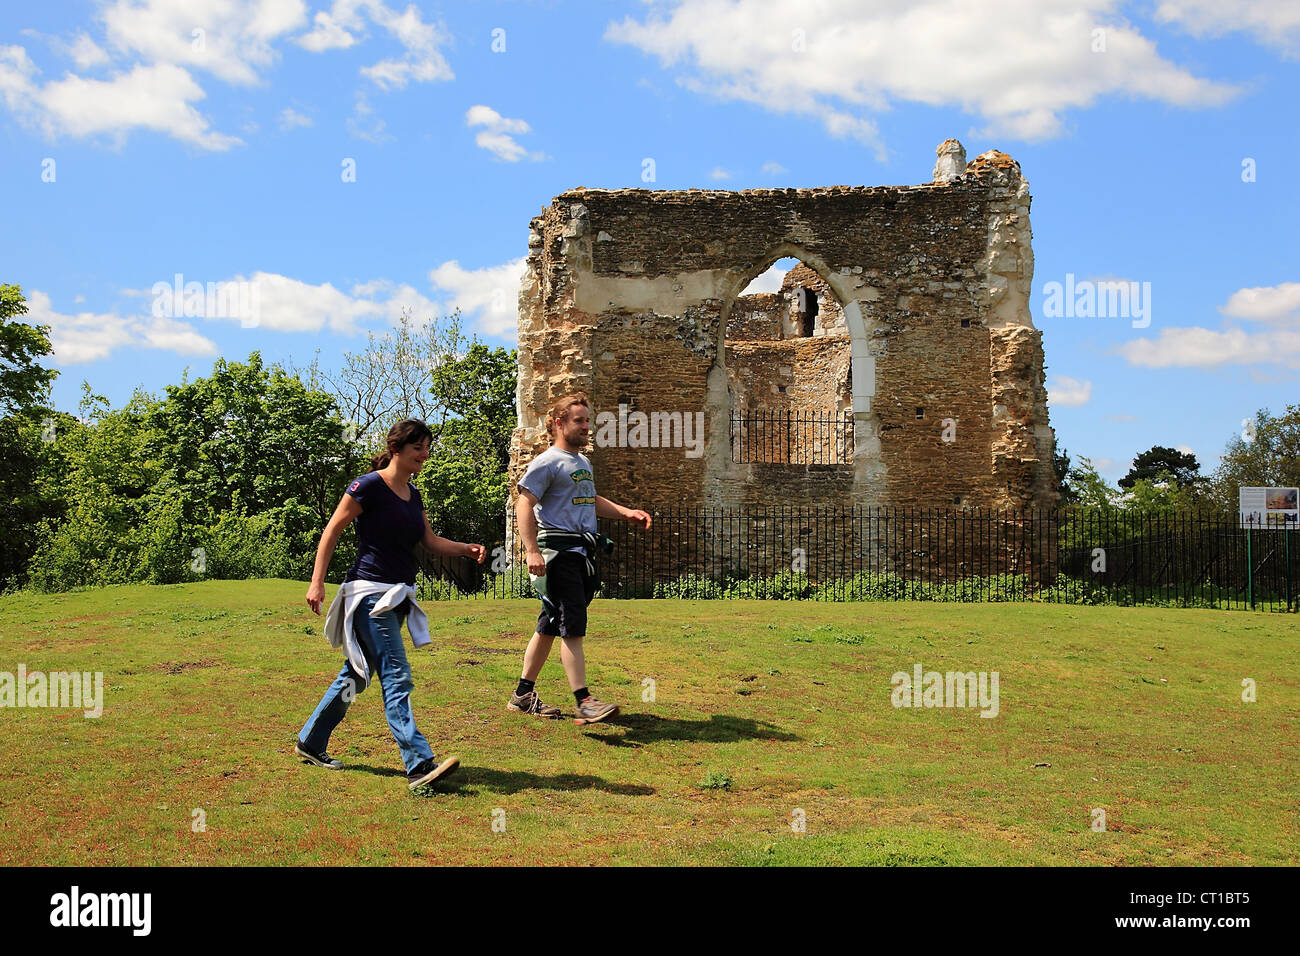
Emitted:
<point x="1160" y="463"/>
<point x="104" y="478"/>
<point x="26" y="433"/>
<point x="1061" y="465"/>
<point x="251" y="436"/>
<point x="32" y="483"/>
<point x="389" y="380"/>
<point x="465" y="480"/>
<point x="1162" y="494"/>
<point x="1090" y="489"/>
<point x="23" y="383"/>
<point x="232" y="475"/>
<point x="1266" y="454"/>
<point x="478" y="390"/>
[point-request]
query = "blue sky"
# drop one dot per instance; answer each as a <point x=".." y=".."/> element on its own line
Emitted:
<point x="140" y="139"/>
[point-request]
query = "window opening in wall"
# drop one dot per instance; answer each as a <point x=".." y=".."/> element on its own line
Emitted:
<point x="787" y="356"/>
<point x="807" y="301"/>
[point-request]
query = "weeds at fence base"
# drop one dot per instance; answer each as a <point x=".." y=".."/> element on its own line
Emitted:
<point x="790" y="586"/>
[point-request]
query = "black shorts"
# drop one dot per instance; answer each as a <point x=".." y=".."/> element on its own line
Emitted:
<point x="569" y="589"/>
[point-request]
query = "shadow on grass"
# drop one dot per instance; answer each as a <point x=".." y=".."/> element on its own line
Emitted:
<point x="377" y="771"/>
<point x="720" y="728"/>
<point x="469" y="780"/>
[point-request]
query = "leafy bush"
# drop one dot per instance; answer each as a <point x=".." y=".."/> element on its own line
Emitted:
<point x="716" y="780"/>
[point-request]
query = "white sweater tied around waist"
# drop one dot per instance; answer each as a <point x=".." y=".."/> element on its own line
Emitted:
<point x="338" y="620"/>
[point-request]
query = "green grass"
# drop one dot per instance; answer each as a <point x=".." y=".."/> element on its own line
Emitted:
<point x="765" y="718"/>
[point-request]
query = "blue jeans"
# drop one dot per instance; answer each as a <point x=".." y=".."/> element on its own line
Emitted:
<point x="381" y="643"/>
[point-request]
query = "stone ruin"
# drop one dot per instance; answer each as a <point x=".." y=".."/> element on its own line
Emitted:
<point x="905" y="330"/>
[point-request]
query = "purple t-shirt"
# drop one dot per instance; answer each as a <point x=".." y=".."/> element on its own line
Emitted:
<point x="388" y="529"/>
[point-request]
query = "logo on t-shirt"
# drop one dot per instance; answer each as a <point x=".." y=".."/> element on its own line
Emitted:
<point x="579" y="476"/>
<point x="355" y="486"/>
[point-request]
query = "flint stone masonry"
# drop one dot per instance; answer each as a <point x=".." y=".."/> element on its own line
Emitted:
<point x="922" y="333"/>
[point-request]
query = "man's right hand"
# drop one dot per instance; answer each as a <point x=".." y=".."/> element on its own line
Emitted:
<point x="316" y="596"/>
<point x="536" y="564"/>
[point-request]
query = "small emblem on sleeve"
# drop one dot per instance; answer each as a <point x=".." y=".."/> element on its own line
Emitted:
<point x="355" y="486"/>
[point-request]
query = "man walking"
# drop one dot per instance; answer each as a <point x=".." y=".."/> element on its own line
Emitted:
<point x="556" y="512"/>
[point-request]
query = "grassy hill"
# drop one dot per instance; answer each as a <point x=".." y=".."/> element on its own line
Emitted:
<point x="764" y="714"/>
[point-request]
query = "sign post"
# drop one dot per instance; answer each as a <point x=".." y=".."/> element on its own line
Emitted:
<point x="1268" y="508"/>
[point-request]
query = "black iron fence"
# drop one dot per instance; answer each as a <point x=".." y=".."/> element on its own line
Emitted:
<point x="790" y="438"/>
<point x="1072" y="556"/>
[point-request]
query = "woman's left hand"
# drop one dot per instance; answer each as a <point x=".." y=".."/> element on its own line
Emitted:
<point x="475" y="551"/>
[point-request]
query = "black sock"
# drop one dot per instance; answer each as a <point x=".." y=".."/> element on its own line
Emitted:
<point x="581" y="694"/>
<point x="524" y="687"/>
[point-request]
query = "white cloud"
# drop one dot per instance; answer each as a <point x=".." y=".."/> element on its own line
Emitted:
<point x="231" y="39"/>
<point x="17" y="78"/>
<point x="328" y="34"/>
<point x="1069" y="392"/>
<point x="498" y="135"/>
<point x="291" y="119"/>
<point x="291" y="305"/>
<point x="1018" y="64"/>
<point x="1276" y="344"/>
<point x="158" y="46"/>
<point x="89" y="337"/>
<point x="277" y="303"/>
<point x="148" y="97"/>
<point x="769" y="281"/>
<point x="490" y="294"/>
<point x="86" y="53"/>
<point x="363" y="124"/>
<point x="1264" y="303"/>
<point x="773" y="168"/>
<point x="1274" y="23"/>
<point x="1207" y="348"/>
<point x="720" y="173"/>
<point x="172" y="335"/>
<point x="422" y="62"/>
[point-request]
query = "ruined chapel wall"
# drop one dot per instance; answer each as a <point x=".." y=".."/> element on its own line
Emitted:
<point x="757" y="317"/>
<point x="625" y="294"/>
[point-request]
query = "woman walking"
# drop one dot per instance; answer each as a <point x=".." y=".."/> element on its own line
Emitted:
<point x="377" y="595"/>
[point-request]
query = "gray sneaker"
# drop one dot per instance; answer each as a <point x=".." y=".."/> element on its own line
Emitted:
<point x="530" y="703"/>
<point x="429" y="771"/>
<point x="592" y="711"/>
<point x="321" y="759"/>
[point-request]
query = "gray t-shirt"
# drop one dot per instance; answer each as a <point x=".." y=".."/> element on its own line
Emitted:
<point x="565" y="490"/>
